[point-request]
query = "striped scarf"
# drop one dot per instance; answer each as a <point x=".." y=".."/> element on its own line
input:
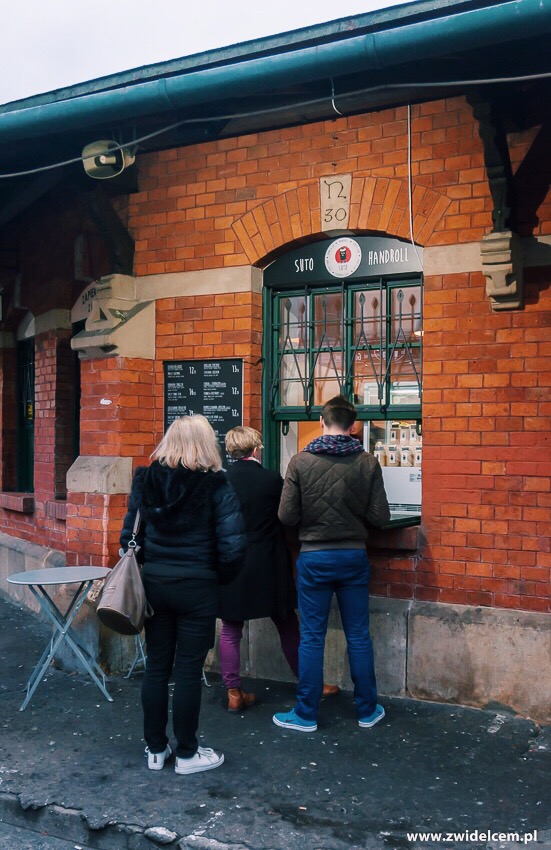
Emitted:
<point x="334" y="444"/>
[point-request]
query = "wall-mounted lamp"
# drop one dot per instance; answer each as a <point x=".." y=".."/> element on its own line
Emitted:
<point x="104" y="159"/>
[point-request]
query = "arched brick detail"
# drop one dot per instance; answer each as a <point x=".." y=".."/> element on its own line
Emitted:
<point x="381" y="204"/>
<point x="377" y="204"/>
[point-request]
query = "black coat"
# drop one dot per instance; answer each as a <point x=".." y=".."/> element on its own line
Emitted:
<point x="191" y="522"/>
<point x="265" y="585"/>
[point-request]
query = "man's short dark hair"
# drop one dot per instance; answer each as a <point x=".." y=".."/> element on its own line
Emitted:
<point x="340" y="412"/>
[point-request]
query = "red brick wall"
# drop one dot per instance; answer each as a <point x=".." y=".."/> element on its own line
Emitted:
<point x="132" y="423"/>
<point x="54" y="418"/>
<point x="94" y="522"/>
<point x="211" y="326"/>
<point x="187" y="215"/>
<point x="122" y="399"/>
<point x="117" y="420"/>
<point x="53" y="428"/>
<point x="485" y="538"/>
<point x="53" y="437"/>
<point x="486" y="416"/>
<point x="486" y="451"/>
<point x="117" y="407"/>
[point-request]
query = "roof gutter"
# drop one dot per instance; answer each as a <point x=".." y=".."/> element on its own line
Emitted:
<point x="504" y="22"/>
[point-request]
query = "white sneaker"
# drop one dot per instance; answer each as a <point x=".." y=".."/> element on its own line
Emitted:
<point x="204" y="759"/>
<point x="156" y="761"/>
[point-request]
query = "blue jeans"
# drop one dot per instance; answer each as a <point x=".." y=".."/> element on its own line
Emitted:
<point x="320" y="574"/>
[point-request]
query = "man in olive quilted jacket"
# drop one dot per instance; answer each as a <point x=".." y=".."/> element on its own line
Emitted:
<point x="333" y="492"/>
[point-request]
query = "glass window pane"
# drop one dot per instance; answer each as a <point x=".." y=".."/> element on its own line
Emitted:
<point x="327" y="373"/>
<point x="369" y="317"/>
<point x="367" y="341"/>
<point x="292" y="380"/>
<point x="328" y="320"/>
<point x="405" y="375"/>
<point x="406" y="313"/>
<point x="397" y="445"/>
<point x="369" y="376"/>
<point x="376" y="433"/>
<point x="293" y="322"/>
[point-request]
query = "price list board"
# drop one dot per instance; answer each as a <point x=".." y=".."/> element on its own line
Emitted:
<point x="213" y="388"/>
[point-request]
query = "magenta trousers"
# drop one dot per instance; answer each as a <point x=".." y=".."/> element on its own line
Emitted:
<point x="230" y="640"/>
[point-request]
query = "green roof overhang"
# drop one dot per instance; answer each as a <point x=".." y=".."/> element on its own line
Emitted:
<point x="418" y="51"/>
<point x="372" y="51"/>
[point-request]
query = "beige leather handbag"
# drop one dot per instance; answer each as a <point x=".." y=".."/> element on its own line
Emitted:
<point x="122" y="605"/>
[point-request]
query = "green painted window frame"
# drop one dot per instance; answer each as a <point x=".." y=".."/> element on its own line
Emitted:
<point x="275" y="414"/>
<point x="25" y="414"/>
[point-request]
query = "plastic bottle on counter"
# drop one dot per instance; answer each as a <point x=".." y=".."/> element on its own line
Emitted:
<point x="380" y="452"/>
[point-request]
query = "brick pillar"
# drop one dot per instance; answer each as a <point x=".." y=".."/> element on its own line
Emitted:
<point x="116" y="434"/>
<point x="54" y="413"/>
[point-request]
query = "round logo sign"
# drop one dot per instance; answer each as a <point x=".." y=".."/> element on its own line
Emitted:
<point x="343" y="257"/>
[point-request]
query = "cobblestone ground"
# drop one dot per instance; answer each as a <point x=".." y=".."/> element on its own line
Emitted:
<point x="72" y="766"/>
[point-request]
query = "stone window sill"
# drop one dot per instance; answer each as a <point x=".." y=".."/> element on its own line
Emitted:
<point x="23" y="503"/>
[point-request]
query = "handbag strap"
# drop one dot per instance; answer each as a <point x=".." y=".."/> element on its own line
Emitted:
<point x="132" y="544"/>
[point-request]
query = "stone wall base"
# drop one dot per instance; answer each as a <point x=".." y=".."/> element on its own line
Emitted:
<point x="484" y="657"/>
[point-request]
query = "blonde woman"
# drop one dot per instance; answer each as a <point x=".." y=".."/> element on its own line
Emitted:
<point x="192" y="538"/>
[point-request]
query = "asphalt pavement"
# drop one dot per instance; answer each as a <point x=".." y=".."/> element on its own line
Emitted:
<point x="428" y="776"/>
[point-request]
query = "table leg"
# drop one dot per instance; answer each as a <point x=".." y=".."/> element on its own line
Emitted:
<point x="139" y="657"/>
<point x="64" y="623"/>
<point x="88" y="662"/>
<point x="47" y="604"/>
<point x="63" y="632"/>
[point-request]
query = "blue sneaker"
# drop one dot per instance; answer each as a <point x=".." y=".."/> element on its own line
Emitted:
<point x="372" y="719"/>
<point x="291" y="720"/>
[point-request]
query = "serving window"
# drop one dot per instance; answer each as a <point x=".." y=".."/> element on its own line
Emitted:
<point x="362" y="339"/>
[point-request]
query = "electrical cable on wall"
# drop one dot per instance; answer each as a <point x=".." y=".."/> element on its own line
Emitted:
<point x="275" y="110"/>
<point x="333" y="97"/>
<point x="410" y="189"/>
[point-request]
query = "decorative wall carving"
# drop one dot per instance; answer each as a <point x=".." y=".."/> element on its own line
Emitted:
<point x="502" y="264"/>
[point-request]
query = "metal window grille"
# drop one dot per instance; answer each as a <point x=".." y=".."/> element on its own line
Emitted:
<point x="363" y="341"/>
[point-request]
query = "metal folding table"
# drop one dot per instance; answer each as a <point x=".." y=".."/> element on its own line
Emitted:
<point x="81" y="578"/>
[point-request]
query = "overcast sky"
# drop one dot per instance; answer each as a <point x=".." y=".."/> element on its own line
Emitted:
<point x="47" y="44"/>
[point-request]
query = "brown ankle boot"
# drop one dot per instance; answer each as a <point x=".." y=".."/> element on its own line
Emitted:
<point x="330" y="691"/>
<point x="238" y="699"/>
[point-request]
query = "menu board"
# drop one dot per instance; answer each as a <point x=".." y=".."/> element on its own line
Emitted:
<point x="211" y="387"/>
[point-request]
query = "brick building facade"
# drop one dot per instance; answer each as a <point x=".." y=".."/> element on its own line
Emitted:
<point x="460" y="599"/>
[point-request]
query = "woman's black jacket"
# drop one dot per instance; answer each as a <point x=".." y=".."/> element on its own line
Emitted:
<point x="191" y="523"/>
<point x="265" y="586"/>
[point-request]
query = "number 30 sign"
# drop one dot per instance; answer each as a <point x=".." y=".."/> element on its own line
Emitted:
<point x="335" y="201"/>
